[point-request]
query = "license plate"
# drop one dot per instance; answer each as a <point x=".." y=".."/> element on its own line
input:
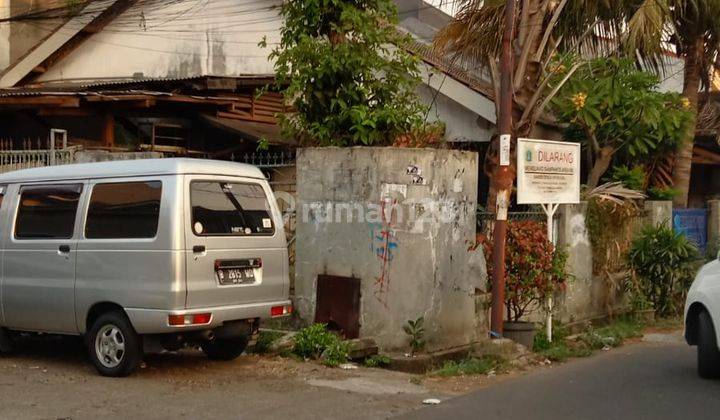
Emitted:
<point x="236" y="275"/>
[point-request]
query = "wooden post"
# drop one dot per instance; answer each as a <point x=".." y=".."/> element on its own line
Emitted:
<point x="109" y="131"/>
<point x="502" y="176"/>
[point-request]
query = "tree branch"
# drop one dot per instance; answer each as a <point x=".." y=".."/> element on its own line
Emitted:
<point x="536" y="113"/>
<point x="549" y="29"/>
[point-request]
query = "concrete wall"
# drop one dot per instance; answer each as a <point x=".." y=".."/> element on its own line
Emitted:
<point x="408" y="266"/>
<point x="586" y="294"/>
<point x="87" y="156"/>
<point x="658" y="212"/>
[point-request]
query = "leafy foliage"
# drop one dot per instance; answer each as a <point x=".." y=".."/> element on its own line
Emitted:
<point x="619" y="111"/>
<point x="316" y="342"/>
<point x="378" y="360"/>
<point x="661" y="261"/>
<point x="473" y="366"/>
<point x="265" y="340"/>
<point x="583" y="345"/>
<point x="347" y="74"/>
<point x="416" y="331"/>
<point x="633" y="179"/>
<point x="534" y="268"/>
<point x="662" y="194"/>
<point x="336" y="353"/>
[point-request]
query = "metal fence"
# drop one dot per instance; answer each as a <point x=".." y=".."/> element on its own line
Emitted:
<point x="486" y="220"/>
<point x="269" y="159"/>
<point x="11" y="160"/>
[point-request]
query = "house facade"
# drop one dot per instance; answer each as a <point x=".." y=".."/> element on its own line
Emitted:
<point x="131" y="45"/>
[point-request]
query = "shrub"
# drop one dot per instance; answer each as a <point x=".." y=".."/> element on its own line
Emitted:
<point x="662" y="194"/>
<point x="633" y="179"/>
<point x="265" y="340"/>
<point x="316" y="342"/>
<point x="661" y="264"/>
<point x="378" y="360"/>
<point x="336" y="353"/>
<point x="534" y="268"/>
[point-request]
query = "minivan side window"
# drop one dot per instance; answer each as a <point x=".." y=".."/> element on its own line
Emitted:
<point x="124" y="210"/>
<point x="230" y="209"/>
<point x="47" y="211"/>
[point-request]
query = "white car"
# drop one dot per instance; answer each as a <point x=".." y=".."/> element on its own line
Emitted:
<point x="702" y="319"/>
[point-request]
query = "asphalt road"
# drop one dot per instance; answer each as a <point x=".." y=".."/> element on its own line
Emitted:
<point x="650" y="380"/>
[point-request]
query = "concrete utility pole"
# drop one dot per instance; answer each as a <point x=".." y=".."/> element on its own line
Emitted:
<point x="502" y="176"/>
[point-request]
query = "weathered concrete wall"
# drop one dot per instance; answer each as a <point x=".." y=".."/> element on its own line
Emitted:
<point x="658" y="213"/>
<point x="408" y="266"/>
<point x="585" y="294"/>
<point x="87" y="156"/>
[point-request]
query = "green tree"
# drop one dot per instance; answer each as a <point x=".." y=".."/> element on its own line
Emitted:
<point x="347" y="74"/>
<point x="618" y="111"/>
<point x="693" y="28"/>
<point x="543" y="29"/>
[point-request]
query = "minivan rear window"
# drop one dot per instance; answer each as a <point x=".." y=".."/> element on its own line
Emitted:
<point x="230" y="208"/>
<point x="47" y="211"/>
<point x="124" y="210"/>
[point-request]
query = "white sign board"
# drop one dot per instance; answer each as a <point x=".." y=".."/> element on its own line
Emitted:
<point x="548" y="172"/>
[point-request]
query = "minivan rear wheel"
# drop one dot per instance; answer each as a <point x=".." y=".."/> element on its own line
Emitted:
<point x="225" y="348"/>
<point x="115" y="348"/>
<point x="708" y="353"/>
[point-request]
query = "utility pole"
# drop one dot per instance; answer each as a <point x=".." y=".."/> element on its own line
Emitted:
<point x="502" y="176"/>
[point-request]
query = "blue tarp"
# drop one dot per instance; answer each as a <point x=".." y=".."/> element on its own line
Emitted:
<point x="692" y="223"/>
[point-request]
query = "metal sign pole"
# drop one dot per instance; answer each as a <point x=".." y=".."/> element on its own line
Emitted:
<point x="550" y="210"/>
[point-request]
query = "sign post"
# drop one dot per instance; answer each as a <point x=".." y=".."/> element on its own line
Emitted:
<point x="548" y="173"/>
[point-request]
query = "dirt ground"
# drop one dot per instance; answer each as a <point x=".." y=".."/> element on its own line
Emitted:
<point x="52" y="379"/>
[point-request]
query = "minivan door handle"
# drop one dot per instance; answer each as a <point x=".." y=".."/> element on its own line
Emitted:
<point x="199" y="249"/>
<point x="64" y="249"/>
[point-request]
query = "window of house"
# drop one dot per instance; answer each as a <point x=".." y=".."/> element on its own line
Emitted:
<point x="230" y="208"/>
<point x="124" y="210"/>
<point x="47" y="211"/>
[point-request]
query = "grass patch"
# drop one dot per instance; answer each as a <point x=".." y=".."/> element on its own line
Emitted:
<point x="583" y="345"/>
<point x="667" y="323"/>
<point x="473" y="366"/>
<point x="265" y="340"/>
<point x="378" y="360"/>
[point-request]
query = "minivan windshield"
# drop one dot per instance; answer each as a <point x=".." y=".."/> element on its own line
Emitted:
<point x="230" y="208"/>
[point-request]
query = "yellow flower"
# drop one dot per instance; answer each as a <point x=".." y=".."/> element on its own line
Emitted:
<point x="685" y="103"/>
<point x="560" y="68"/>
<point x="579" y="100"/>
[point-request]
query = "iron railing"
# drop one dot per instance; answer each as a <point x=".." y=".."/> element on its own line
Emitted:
<point x="12" y="160"/>
<point x="269" y="159"/>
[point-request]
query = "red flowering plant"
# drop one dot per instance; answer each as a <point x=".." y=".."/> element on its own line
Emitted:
<point x="534" y="268"/>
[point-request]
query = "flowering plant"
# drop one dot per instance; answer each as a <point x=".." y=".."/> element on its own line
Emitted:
<point x="535" y="269"/>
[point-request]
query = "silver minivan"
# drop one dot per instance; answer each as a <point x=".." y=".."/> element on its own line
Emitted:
<point x="141" y="255"/>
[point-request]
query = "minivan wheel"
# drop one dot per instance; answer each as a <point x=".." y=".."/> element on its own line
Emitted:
<point x="708" y="353"/>
<point x="6" y="344"/>
<point x="224" y="348"/>
<point x="115" y="348"/>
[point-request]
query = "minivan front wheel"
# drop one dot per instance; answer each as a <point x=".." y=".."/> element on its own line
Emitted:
<point x="225" y="348"/>
<point x="114" y="346"/>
